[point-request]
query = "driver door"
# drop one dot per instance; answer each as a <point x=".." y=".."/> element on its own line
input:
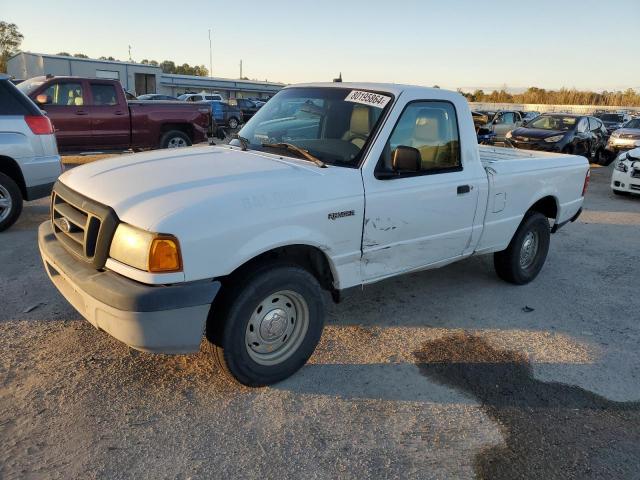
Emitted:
<point x="414" y="219"/>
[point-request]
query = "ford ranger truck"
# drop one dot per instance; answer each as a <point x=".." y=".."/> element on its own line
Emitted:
<point x="327" y="187"/>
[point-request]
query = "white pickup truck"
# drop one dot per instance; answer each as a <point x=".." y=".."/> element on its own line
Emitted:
<point x="327" y="187"/>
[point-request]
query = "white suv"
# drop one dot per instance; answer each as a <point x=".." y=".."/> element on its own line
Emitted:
<point x="29" y="160"/>
<point x="200" y="97"/>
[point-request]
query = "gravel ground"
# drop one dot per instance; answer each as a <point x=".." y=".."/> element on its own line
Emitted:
<point x="443" y="374"/>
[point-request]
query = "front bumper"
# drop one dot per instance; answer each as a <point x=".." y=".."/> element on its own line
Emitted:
<point x="540" y="145"/>
<point x="625" y="182"/>
<point x="159" y="319"/>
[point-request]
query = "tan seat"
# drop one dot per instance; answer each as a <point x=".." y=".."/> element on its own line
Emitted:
<point x="360" y="126"/>
<point x="429" y="137"/>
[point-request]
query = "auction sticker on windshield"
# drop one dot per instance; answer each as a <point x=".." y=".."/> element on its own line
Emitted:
<point x="367" y="98"/>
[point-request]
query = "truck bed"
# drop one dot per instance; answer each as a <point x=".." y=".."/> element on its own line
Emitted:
<point x="517" y="179"/>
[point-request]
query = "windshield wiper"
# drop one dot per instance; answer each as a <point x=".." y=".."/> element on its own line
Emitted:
<point x="244" y="143"/>
<point x="301" y="151"/>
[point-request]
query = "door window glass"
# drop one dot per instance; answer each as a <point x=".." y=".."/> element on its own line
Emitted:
<point x="583" y="125"/>
<point x="103" y="94"/>
<point x="432" y="129"/>
<point x="68" y="93"/>
<point x="508" y="117"/>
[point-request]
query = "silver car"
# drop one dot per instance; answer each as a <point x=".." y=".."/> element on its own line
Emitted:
<point x="29" y="160"/>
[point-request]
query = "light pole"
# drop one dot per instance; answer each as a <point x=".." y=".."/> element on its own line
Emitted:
<point x="210" y="56"/>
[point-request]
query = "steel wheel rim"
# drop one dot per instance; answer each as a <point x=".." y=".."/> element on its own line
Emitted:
<point x="277" y="327"/>
<point x="176" y="142"/>
<point x="233" y="123"/>
<point x="5" y="203"/>
<point x="529" y="249"/>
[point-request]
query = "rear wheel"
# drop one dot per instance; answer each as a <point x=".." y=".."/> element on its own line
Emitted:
<point x="10" y="202"/>
<point x="175" y="139"/>
<point x="233" y="123"/>
<point x="523" y="259"/>
<point x="266" y="326"/>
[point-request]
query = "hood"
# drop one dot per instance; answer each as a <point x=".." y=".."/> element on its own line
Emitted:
<point x="536" y="133"/>
<point x="146" y="188"/>
<point x="628" y="132"/>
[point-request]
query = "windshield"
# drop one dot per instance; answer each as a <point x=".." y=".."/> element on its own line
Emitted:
<point x="548" y="122"/>
<point x="333" y="124"/>
<point x="611" y="117"/>
<point x="635" y="123"/>
<point x="30" y="85"/>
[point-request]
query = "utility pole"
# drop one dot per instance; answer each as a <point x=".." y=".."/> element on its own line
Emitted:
<point x="210" y="56"/>
<point x="130" y="59"/>
<point x="240" y="69"/>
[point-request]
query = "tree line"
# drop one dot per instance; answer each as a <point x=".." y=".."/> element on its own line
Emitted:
<point x="564" y="96"/>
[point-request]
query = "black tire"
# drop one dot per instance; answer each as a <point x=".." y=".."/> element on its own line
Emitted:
<point x="175" y="139"/>
<point x="9" y="193"/>
<point x="233" y="123"/>
<point x="508" y="263"/>
<point x="237" y="305"/>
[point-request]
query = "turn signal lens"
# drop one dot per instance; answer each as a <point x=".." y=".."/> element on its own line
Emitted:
<point x="39" y="124"/>
<point x="164" y="255"/>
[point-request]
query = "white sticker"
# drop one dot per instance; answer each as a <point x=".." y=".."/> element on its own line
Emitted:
<point x="368" y="98"/>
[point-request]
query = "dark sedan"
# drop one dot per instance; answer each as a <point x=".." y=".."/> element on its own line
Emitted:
<point x="247" y="107"/>
<point x="564" y="133"/>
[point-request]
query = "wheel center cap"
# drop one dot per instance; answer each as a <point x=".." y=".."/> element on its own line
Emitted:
<point x="274" y="324"/>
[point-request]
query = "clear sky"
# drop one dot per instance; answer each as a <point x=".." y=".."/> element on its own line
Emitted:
<point x="587" y="44"/>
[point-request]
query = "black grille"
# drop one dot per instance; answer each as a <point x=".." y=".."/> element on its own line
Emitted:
<point x="74" y="227"/>
<point x="83" y="226"/>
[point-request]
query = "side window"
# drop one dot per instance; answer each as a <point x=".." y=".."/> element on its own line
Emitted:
<point x="594" y="124"/>
<point x="104" y="94"/>
<point x="67" y="94"/>
<point x="432" y="129"/>
<point x="583" y="125"/>
<point x="508" y="117"/>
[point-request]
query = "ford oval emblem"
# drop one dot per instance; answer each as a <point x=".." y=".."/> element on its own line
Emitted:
<point x="65" y="226"/>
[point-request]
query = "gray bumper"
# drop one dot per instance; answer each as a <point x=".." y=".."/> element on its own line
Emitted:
<point x="161" y="319"/>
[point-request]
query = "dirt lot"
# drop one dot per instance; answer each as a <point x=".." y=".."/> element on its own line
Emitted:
<point x="442" y="374"/>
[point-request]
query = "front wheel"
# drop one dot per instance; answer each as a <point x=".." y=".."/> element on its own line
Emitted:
<point x="267" y="325"/>
<point x="233" y="123"/>
<point x="523" y="259"/>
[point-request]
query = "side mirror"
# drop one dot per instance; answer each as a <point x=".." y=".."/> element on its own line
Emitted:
<point x="405" y="159"/>
<point x="43" y="99"/>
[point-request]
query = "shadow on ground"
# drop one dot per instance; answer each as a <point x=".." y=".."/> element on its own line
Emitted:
<point x="551" y="430"/>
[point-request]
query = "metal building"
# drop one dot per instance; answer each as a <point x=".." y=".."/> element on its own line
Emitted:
<point x="136" y="78"/>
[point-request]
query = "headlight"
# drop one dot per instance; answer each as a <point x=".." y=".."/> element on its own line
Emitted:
<point x="621" y="167"/>
<point x="615" y="134"/>
<point x="554" y="139"/>
<point x="508" y="135"/>
<point x="145" y="250"/>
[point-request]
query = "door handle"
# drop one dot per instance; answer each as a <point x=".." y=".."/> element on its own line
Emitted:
<point x="118" y="113"/>
<point x="81" y="112"/>
<point x="462" y="189"/>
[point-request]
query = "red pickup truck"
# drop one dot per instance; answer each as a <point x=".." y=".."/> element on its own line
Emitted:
<point x="91" y="114"/>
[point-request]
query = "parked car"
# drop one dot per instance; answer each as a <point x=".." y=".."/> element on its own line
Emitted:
<point x="247" y="107"/>
<point x="564" y="133"/>
<point x="625" y="178"/>
<point x="200" y="97"/>
<point x="502" y="123"/>
<point x="528" y="116"/>
<point x="253" y="232"/>
<point x="91" y="114"/>
<point x="625" y="138"/>
<point x="225" y="114"/>
<point x="156" y="96"/>
<point x="29" y="160"/>
<point x="613" y="121"/>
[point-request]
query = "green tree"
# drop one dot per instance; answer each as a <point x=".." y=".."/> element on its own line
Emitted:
<point x="64" y="54"/>
<point x="80" y="55"/>
<point x="10" y="40"/>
